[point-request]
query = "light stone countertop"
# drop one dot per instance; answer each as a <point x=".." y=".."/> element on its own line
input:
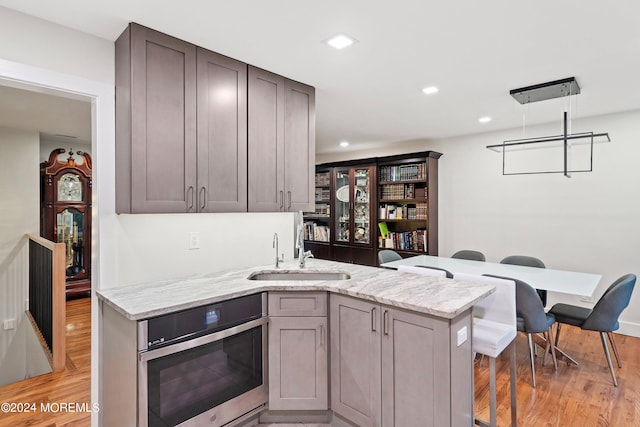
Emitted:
<point x="436" y="296"/>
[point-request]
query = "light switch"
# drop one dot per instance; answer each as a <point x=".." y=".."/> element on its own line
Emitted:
<point x="462" y="336"/>
<point x="9" y="324"/>
<point x="194" y="240"/>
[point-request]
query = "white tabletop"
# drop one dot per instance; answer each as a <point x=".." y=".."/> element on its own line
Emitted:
<point x="568" y="282"/>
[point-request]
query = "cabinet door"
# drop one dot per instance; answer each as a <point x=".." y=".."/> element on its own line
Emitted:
<point x="163" y="122"/>
<point x="299" y="146"/>
<point x="298" y="363"/>
<point x="355" y="360"/>
<point x="266" y="141"/>
<point x="222" y="133"/>
<point x="415" y="370"/>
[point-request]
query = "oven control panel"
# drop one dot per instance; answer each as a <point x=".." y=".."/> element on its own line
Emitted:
<point x="187" y="324"/>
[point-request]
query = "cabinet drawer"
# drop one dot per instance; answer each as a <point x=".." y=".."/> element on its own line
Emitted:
<point x="297" y="303"/>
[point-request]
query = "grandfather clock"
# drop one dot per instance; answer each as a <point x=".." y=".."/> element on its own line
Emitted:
<point x="65" y="209"/>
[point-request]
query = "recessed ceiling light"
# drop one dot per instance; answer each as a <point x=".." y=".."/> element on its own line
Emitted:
<point x="430" y="90"/>
<point x="484" y="119"/>
<point x="344" y="144"/>
<point x="340" y="41"/>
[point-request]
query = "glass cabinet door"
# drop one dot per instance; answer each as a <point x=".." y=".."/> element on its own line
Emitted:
<point x="361" y="206"/>
<point x="70" y="231"/>
<point x="343" y="213"/>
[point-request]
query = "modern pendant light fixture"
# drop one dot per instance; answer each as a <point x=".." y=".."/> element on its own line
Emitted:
<point x="540" y="92"/>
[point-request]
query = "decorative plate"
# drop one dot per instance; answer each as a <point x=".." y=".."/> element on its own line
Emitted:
<point x="343" y="194"/>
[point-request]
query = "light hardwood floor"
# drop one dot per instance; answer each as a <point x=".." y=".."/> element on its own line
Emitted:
<point x="73" y="385"/>
<point x="574" y="396"/>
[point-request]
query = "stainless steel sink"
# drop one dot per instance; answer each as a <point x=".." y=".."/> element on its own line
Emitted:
<point x="298" y="275"/>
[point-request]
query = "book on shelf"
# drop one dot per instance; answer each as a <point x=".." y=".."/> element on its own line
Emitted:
<point x="408" y="240"/>
<point x="384" y="230"/>
<point x="417" y="171"/>
<point x="322" y="178"/>
<point x="413" y="211"/>
<point x="315" y="232"/>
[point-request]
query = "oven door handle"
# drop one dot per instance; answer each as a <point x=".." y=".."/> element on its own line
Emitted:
<point x="144" y="356"/>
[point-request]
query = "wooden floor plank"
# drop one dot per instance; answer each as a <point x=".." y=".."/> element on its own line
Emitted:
<point x="573" y="396"/>
<point x="73" y="385"/>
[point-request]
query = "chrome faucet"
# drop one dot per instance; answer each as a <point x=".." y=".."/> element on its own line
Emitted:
<point x="275" y="245"/>
<point x="302" y="255"/>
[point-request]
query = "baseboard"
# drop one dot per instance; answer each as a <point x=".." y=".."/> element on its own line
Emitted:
<point x="304" y="417"/>
<point x="630" y="329"/>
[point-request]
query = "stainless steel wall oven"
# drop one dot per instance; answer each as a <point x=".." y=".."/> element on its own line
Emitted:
<point x="203" y="366"/>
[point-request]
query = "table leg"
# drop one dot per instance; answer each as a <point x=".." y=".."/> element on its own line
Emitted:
<point x="560" y="355"/>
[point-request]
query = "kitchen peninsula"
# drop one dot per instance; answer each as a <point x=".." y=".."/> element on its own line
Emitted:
<point x="399" y="344"/>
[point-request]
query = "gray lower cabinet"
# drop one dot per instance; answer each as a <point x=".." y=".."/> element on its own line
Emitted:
<point x="298" y="351"/>
<point x="394" y="368"/>
<point x="281" y="144"/>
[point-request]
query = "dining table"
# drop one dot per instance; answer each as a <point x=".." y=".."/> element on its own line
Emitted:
<point x="565" y="282"/>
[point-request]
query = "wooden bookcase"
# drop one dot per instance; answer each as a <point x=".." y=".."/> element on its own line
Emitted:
<point x="407" y="204"/>
<point x="408" y="182"/>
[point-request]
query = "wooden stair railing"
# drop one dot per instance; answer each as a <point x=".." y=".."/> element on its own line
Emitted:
<point x="47" y="298"/>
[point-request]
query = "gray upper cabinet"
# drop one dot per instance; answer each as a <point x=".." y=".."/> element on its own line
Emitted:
<point x="194" y="133"/>
<point x="155" y="122"/>
<point x="222" y="133"/>
<point x="181" y="126"/>
<point x="281" y="143"/>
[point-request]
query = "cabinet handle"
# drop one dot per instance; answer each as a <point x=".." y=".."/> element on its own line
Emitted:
<point x="385" y="322"/>
<point x="281" y="200"/>
<point x="373" y="319"/>
<point x="321" y="335"/>
<point x="289" y="196"/>
<point x="190" y="192"/>
<point x="203" y="192"/>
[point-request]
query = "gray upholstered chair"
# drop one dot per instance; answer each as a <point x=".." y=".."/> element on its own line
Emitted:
<point x="528" y="261"/>
<point x="388" y="255"/>
<point x="470" y="255"/>
<point x="602" y="318"/>
<point x="532" y="319"/>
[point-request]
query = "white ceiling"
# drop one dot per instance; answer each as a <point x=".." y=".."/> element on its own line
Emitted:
<point x="370" y="93"/>
<point x="64" y="120"/>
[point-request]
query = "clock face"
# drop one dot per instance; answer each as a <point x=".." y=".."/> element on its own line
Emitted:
<point x="69" y="188"/>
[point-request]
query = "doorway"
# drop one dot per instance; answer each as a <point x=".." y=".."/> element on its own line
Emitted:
<point x="101" y="96"/>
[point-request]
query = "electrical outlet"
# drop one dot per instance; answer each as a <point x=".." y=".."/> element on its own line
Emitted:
<point x="9" y="324"/>
<point x="462" y="336"/>
<point x="194" y="240"/>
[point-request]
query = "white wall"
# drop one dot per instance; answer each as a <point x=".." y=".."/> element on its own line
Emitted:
<point x="156" y="247"/>
<point x="19" y="214"/>
<point x="32" y="41"/>
<point x="47" y="146"/>
<point x="588" y="223"/>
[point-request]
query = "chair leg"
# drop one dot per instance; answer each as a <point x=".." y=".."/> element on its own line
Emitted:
<point x="493" y="419"/>
<point x="606" y="352"/>
<point x="557" y="334"/>
<point x="533" y="368"/>
<point x="615" y="348"/>
<point x="553" y="347"/>
<point x="512" y="375"/>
